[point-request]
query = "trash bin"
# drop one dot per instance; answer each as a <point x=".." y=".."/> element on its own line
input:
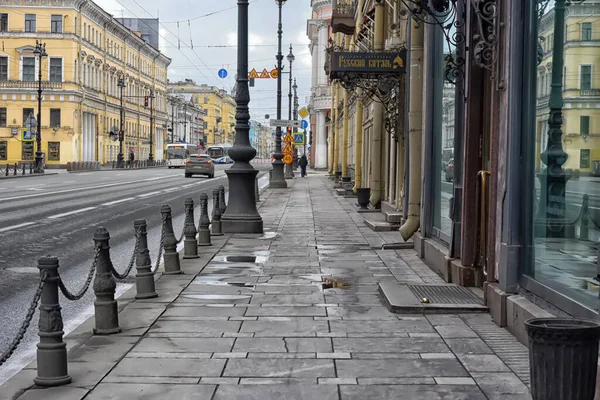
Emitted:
<point x="563" y="358"/>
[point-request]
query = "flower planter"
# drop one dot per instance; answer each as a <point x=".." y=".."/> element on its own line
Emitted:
<point x="362" y="197"/>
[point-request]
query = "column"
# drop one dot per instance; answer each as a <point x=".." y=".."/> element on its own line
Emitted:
<point x="84" y="137"/>
<point x="321" y="44"/>
<point x="321" y="141"/>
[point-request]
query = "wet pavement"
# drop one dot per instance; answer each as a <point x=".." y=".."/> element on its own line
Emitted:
<point x="291" y="314"/>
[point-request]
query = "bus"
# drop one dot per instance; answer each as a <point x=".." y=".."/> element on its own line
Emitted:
<point x="219" y="153"/>
<point x="177" y="153"/>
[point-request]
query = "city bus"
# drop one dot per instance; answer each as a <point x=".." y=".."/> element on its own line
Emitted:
<point x="219" y="153"/>
<point x="177" y="153"/>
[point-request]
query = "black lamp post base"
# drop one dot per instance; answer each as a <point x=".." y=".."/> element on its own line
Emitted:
<point x="120" y="161"/>
<point x="277" y="177"/>
<point x="39" y="162"/>
<point x="241" y="215"/>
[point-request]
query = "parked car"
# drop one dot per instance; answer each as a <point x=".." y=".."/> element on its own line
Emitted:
<point x="449" y="171"/>
<point x="199" y="164"/>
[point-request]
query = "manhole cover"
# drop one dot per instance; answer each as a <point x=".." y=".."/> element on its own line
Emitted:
<point x="444" y="294"/>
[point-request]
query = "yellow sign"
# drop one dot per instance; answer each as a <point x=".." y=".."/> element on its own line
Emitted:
<point x="265" y="74"/>
<point x="253" y="74"/>
<point x="288" y="138"/>
<point x="274" y="73"/>
<point x="303" y="112"/>
<point x="288" y="149"/>
<point x="288" y="159"/>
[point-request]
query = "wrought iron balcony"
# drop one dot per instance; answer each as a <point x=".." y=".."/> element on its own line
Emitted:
<point x="29" y="85"/>
<point x="343" y="16"/>
<point x="589" y="92"/>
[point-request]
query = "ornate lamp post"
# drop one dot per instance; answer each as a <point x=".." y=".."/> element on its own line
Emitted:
<point x="120" y="157"/>
<point x="277" y="177"/>
<point x="40" y="52"/>
<point x="151" y="155"/>
<point x="241" y="215"/>
<point x="289" y="169"/>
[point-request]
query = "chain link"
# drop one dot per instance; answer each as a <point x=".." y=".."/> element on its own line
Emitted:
<point x="30" y="313"/>
<point x="131" y="261"/>
<point x="187" y="213"/>
<point x="79" y="295"/>
<point x="160" y="246"/>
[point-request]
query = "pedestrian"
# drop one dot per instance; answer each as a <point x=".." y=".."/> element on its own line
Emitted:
<point x="131" y="158"/>
<point x="303" y="163"/>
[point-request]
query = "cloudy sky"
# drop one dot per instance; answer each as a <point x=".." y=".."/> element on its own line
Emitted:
<point x="211" y="28"/>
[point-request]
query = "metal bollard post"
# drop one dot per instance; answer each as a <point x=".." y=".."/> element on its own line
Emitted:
<point x="172" y="266"/>
<point x="256" y="191"/>
<point x="52" y="366"/>
<point x="222" y="204"/>
<point x="106" y="309"/>
<point x="7" y="168"/>
<point x="15" y="172"/>
<point x="203" y="231"/>
<point x="144" y="278"/>
<point x="190" y="244"/>
<point x="23" y="165"/>
<point x="217" y="229"/>
<point x="584" y="224"/>
<point x="30" y="168"/>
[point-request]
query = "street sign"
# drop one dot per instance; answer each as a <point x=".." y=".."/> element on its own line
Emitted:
<point x="303" y="112"/>
<point x="288" y="138"/>
<point x="284" y="123"/>
<point x="288" y="159"/>
<point x="288" y="149"/>
<point x="265" y="74"/>
<point x="27" y="136"/>
<point x="253" y="74"/>
<point x="304" y="124"/>
<point x="299" y="138"/>
<point x="274" y="73"/>
<point x="222" y="73"/>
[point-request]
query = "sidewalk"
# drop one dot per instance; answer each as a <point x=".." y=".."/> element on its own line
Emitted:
<point x="257" y="323"/>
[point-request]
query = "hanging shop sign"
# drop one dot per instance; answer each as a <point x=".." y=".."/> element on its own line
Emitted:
<point x="366" y="64"/>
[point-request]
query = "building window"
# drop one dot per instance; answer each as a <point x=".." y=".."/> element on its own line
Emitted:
<point x="27" y="150"/>
<point x="584" y="125"/>
<point x="2" y="116"/>
<point x="76" y="27"/>
<point x="3" y="68"/>
<point x="56" y="69"/>
<point x="53" y="151"/>
<point x="29" y="22"/>
<point x="586" y="31"/>
<point x="3" y="22"/>
<point x="55" y="117"/>
<point x="3" y="150"/>
<point x="56" y="23"/>
<point x="26" y="113"/>
<point x="84" y="26"/>
<point x="28" y="69"/>
<point x="585" y="77"/>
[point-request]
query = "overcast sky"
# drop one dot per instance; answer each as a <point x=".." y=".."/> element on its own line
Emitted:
<point x="214" y="40"/>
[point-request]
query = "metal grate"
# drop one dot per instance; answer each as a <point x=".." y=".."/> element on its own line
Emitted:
<point x="445" y="294"/>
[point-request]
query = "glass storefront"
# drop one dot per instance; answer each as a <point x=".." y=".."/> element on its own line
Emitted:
<point x="566" y="210"/>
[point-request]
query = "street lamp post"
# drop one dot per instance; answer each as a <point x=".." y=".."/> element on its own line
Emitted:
<point x="295" y="87"/>
<point x="289" y="168"/>
<point x="151" y="155"/>
<point x="277" y="177"/>
<point x="40" y="52"/>
<point x="241" y="215"/>
<point x="120" y="157"/>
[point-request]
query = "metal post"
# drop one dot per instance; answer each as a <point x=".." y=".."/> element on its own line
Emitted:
<point x="184" y="122"/>
<point x="217" y="229"/>
<point x="52" y="367"/>
<point x="120" y="157"/>
<point x="172" y="266"/>
<point x="106" y="309"/>
<point x="289" y="174"/>
<point x="40" y="51"/>
<point x="222" y="204"/>
<point x="190" y="245"/>
<point x="144" y="278"/>
<point x="151" y="155"/>
<point x="278" y="179"/>
<point x="203" y="231"/>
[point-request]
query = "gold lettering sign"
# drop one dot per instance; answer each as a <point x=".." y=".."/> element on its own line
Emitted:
<point x="367" y="63"/>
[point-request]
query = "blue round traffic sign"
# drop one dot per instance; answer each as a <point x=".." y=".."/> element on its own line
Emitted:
<point x="304" y="124"/>
<point x="222" y="73"/>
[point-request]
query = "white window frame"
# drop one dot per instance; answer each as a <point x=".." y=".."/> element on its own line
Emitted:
<point x="7" y="66"/>
<point x="35" y="73"/>
<point x="62" y="67"/>
<point x="591" y="75"/>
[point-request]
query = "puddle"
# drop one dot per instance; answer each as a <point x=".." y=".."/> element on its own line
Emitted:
<point x="256" y="259"/>
<point x="216" y="296"/>
<point x="231" y="271"/>
<point x="221" y="283"/>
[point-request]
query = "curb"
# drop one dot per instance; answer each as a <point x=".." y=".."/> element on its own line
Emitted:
<point x="29" y="175"/>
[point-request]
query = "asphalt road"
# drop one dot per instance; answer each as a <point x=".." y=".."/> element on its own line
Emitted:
<point x="57" y="215"/>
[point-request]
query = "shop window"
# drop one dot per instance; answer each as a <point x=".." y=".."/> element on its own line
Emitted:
<point x="3" y="150"/>
<point x="30" y="22"/>
<point x="53" y="151"/>
<point x="2" y="116"/>
<point x="27" y="151"/>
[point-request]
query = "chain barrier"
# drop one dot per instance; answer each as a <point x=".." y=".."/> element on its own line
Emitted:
<point x="79" y="295"/>
<point x="187" y="213"/>
<point x="30" y="313"/>
<point x="131" y="261"/>
<point x="161" y="246"/>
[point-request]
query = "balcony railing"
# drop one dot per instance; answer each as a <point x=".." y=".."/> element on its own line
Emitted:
<point x="342" y="16"/>
<point x="29" y="85"/>
<point x="589" y="92"/>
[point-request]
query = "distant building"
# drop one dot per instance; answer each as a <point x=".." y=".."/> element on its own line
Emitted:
<point x="147" y="28"/>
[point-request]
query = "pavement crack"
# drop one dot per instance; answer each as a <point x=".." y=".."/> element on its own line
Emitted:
<point x="285" y="343"/>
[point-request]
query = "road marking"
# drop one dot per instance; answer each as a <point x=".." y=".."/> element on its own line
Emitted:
<point x="28" y="186"/>
<point x="10" y="228"/>
<point x="118" y="201"/>
<point x="71" y="212"/>
<point x="149" y="194"/>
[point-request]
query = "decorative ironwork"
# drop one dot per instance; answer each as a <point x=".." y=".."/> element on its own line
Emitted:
<point x="485" y="50"/>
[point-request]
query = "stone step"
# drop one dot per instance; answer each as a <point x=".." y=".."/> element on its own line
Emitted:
<point x="394" y="217"/>
<point x="377" y="223"/>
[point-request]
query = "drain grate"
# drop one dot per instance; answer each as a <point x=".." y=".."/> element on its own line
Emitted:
<point x="445" y="294"/>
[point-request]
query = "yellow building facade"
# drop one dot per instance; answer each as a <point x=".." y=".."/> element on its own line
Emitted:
<point x="88" y="52"/>
<point x="581" y="87"/>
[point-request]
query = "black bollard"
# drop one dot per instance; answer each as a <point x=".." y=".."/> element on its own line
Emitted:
<point x="30" y="168"/>
<point x="52" y="367"/>
<point x="222" y="204"/>
<point x="190" y="244"/>
<point x="256" y="191"/>
<point x="172" y="265"/>
<point x="15" y="171"/>
<point x="144" y="278"/>
<point x="203" y="231"/>
<point x="106" y="309"/>
<point x="217" y="229"/>
<point x="23" y="165"/>
<point x="7" y="168"/>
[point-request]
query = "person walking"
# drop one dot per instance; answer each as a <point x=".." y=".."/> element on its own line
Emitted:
<point x="303" y="163"/>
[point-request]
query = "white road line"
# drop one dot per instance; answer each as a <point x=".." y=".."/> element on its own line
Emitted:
<point x="149" y="194"/>
<point x="118" y="201"/>
<point x="10" y="228"/>
<point x="29" y="186"/>
<point x="72" y="212"/>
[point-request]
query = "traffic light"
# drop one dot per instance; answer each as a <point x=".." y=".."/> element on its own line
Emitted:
<point x="146" y="101"/>
<point x="121" y="135"/>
